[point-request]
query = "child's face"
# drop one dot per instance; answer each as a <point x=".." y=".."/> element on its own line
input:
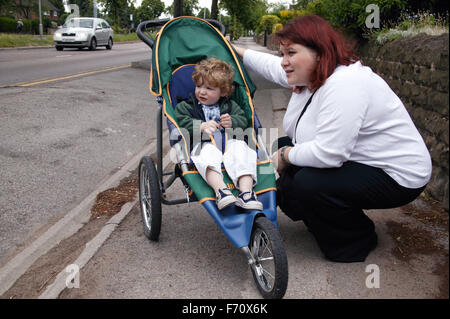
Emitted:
<point x="207" y="94"/>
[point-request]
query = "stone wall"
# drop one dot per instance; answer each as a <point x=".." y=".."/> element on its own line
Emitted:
<point x="270" y="43"/>
<point x="417" y="69"/>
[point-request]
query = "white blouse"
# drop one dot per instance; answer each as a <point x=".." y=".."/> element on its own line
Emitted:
<point x="354" y="116"/>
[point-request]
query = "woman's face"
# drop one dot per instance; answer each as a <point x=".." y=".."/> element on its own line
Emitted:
<point x="299" y="62"/>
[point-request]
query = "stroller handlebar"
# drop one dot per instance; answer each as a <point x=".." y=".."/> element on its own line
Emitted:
<point x="158" y="23"/>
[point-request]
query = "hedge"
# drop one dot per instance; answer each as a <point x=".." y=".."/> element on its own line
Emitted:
<point x="8" y="25"/>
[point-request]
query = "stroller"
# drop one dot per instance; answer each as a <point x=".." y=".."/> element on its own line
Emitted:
<point x="178" y="46"/>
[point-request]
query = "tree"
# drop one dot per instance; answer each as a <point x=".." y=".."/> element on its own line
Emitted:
<point x="177" y="8"/>
<point x="86" y="7"/>
<point x="189" y="6"/>
<point x="275" y="8"/>
<point x="214" y="9"/>
<point x="5" y="4"/>
<point x="245" y="13"/>
<point x="268" y="22"/>
<point x="24" y="7"/>
<point x="301" y="4"/>
<point x="113" y="9"/>
<point x="58" y="5"/>
<point x="204" y="13"/>
<point x="150" y="10"/>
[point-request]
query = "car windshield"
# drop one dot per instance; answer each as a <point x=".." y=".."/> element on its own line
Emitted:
<point x="79" y="23"/>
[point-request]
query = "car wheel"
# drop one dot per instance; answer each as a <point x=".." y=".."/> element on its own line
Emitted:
<point x="110" y="44"/>
<point x="93" y="44"/>
<point x="58" y="48"/>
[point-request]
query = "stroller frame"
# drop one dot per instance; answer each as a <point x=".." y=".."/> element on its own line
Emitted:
<point x="152" y="192"/>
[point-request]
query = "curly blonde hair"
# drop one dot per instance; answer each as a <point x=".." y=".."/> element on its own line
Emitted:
<point x="216" y="73"/>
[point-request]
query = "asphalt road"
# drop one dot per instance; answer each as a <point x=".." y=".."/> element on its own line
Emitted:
<point x="60" y="140"/>
<point x="28" y="65"/>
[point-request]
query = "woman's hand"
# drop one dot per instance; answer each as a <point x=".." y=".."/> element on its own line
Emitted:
<point x="278" y="162"/>
<point x="209" y="127"/>
<point x="239" y="50"/>
<point x="225" y="121"/>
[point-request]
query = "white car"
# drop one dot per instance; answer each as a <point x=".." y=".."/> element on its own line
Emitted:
<point x="84" y="32"/>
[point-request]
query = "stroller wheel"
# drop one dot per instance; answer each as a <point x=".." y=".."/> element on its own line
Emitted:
<point x="150" y="198"/>
<point x="270" y="270"/>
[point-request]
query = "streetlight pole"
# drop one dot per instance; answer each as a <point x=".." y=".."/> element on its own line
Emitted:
<point x="40" y="21"/>
<point x="95" y="8"/>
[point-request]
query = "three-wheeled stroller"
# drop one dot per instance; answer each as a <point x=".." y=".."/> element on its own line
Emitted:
<point x="178" y="46"/>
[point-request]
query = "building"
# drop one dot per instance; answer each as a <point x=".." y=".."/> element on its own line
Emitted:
<point x="28" y="9"/>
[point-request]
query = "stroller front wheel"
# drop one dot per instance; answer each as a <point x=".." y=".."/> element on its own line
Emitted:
<point x="270" y="269"/>
<point x="150" y="198"/>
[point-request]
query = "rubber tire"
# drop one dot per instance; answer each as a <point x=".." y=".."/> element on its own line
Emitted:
<point x="152" y="230"/>
<point x="280" y="260"/>
<point x="93" y="44"/>
<point x="110" y="44"/>
<point x="58" y="48"/>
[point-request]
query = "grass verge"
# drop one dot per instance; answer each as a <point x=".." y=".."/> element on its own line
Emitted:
<point x="11" y="40"/>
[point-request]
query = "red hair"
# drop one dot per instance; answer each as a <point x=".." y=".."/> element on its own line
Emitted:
<point x="316" y="33"/>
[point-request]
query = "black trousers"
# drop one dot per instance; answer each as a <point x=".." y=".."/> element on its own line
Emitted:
<point x="330" y="202"/>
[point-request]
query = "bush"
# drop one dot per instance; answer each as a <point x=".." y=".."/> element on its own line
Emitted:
<point x="277" y="27"/>
<point x="236" y="30"/>
<point x="30" y="26"/>
<point x="412" y="25"/>
<point x="117" y="29"/>
<point x="350" y="15"/>
<point x="62" y="18"/>
<point x="8" y="25"/>
<point x="267" y="22"/>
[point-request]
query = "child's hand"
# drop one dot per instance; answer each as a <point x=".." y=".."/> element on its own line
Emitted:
<point x="225" y="121"/>
<point x="209" y="127"/>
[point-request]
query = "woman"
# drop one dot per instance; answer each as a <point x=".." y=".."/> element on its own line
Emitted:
<point x="351" y="144"/>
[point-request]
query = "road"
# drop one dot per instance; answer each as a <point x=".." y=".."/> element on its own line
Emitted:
<point x="29" y="65"/>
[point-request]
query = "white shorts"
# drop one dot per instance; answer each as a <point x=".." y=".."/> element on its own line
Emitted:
<point x="238" y="160"/>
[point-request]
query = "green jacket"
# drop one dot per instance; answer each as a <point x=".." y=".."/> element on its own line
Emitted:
<point x="188" y="112"/>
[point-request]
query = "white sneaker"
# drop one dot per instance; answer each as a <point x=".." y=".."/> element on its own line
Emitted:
<point x="224" y="200"/>
<point x="251" y="203"/>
